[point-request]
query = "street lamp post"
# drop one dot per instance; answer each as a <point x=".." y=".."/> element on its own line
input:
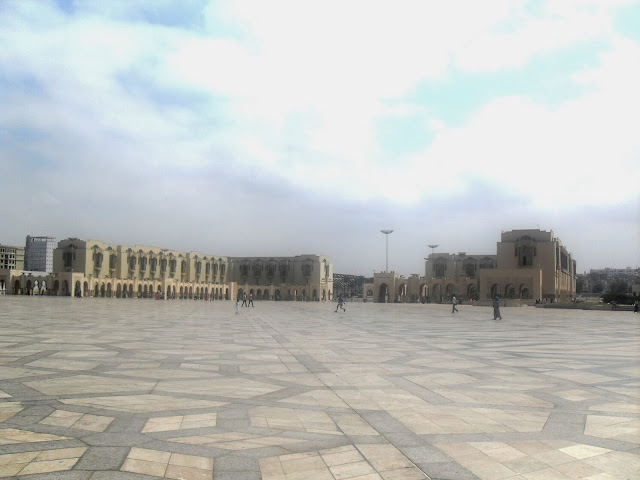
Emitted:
<point x="386" y="233"/>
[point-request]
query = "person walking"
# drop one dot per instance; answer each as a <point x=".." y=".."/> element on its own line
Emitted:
<point x="237" y="305"/>
<point x="250" y="300"/>
<point x="454" y="302"/>
<point x="340" y="304"/>
<point x="244" y="301"/>
<point x="496" y="309"/>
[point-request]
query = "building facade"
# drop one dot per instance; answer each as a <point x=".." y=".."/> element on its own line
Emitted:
<point x="38" y="254"/>
<point x="528" y="265"/>
<point x="11" y="257"/>
<point x="96" y="268"/>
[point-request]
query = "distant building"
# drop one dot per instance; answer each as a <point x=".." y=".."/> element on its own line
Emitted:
<point x="11" y="257"/>
<point x="38" y="255"/>
<point x="528" y="265"/>
<point x="95" y="268"/>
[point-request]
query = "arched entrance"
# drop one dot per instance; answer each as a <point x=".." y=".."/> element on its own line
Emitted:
<point x="402" y="293"/>
<point x="383" y="294"/>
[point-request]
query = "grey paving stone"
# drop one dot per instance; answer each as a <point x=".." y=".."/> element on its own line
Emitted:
<point x="103" y="458"/>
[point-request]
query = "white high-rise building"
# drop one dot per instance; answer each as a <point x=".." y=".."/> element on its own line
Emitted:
<point x="38" y="254"/>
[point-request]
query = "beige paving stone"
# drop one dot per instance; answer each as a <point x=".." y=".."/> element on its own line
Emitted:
<point x="143" y="467"/>
<point x="340" y="458"/>
<point x="149" y="455"/>
<point x="545" y="474"/>
<point x="61" y="453"/>
<point x="317" y="398"/>
<point x="12" y="436"/>
<point x="9" y="409"/>
<point x="584" y="451"/>
<point x="626" y="429"/>
<point x="80" y="384"/>
<point x="578" y="470"/>
<point x="575" y="395"/>
<point x="351" y="470"/>
<point x="48" y="466"/>
<point x="11" y="469"/>
<point x="219" y="387"/>
<point x="142" y="403"/>
<point x="618" y="407"/>
<point x="15" y="458"/>
<point x="187" y="473"/>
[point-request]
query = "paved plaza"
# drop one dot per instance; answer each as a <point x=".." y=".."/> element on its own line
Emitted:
<point x="142" y="389"/>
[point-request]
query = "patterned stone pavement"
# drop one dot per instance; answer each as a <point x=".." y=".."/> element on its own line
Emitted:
<point x="142" y="389"/>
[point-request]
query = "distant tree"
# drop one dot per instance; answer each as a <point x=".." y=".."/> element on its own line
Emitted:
<point x="579" y="285"/>
<point x="618" y="286"/>
<point x="598" y="288"/>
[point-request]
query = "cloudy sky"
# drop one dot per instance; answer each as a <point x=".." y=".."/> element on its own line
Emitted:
<point x="290" y="126"/>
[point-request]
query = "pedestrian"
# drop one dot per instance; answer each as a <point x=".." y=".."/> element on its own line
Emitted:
<point x="636" y="306"/>
<point x="238" y="305"/>
<point x="250" y="300"/>
<point x="454" y="302"/>
<point x="244" y="301"/>
<point x="340" y="304"/>
<point x="496" y="309"/>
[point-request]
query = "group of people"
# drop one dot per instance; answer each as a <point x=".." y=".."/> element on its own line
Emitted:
<point x="496" y="307"/>
<point x="247" y="301"/>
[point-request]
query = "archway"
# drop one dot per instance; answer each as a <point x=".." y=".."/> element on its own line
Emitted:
<point x="472" y="292"/>
<point x="85" y="288"/>
<point x="315" y="295"/>
<point x="96" y="292"/>
<point x="265" y="294"/>
<point x="140" y="291"/>
<point x="524" y="292"/>
<point x="78" y="289"/>
<point x="109" y="290"/>
<point x="17" y="287"/>
<point x="102" y="290"/>
<point x="277" y="294"/>
<point x="450" y="291"/>
<point x="383" y="294"/>
<point x="56" y="287"/>
<point x="29" y="290"/>
<point x="65" y="288"/>
<point x="437" y="293"/>
<point x="509" y="291"/>
<point x="119" y="291"/>
<point x="226" y="294"/>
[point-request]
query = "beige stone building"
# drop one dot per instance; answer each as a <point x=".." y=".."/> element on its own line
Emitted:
<point x="528" y="265"/>
<point x="95" y="268"/>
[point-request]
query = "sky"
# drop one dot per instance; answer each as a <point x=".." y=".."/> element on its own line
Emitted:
<point x="288" y="127"/>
